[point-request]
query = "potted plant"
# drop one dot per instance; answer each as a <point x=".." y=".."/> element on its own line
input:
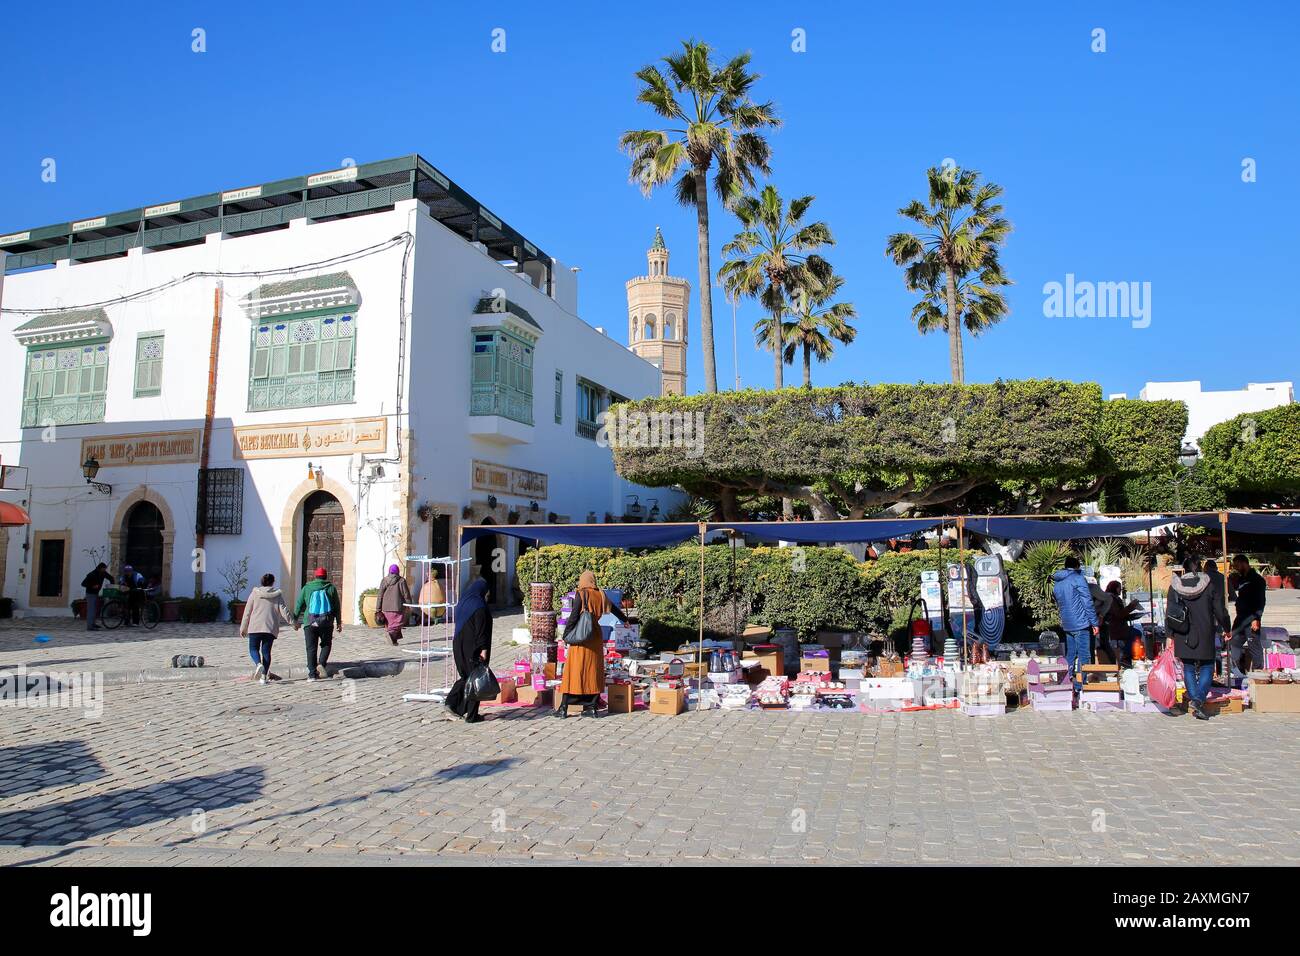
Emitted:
<point x="1275" y="568"/>
<point x="235" y="574"/>
<point x="368" y="606"/>
<point x="171" y="608"/>
<point x="200" y="609"/>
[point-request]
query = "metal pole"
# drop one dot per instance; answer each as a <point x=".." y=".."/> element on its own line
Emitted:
<point x="961" y="576"/>
<point x="1227" y="648"/>
<point x="700" y="657"/>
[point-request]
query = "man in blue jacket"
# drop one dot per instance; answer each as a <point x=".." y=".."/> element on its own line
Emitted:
<point x="1078" y="616"/>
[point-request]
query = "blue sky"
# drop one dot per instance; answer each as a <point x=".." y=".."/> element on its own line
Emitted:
<point x="1118" y="166"/>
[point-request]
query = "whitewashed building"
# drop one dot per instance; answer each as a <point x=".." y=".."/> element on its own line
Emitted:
<point x="334" y="370"/>
<point x="1207" y="408"/>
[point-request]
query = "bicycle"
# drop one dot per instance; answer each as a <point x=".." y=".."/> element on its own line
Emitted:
<point x="113" y="613"/>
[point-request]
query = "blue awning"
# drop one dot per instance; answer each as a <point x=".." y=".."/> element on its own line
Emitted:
<point x="650" y="535"/>
<point x="1037" y="529"/>
<point x="1261" y="524"/>
<point x="831" y="532"/>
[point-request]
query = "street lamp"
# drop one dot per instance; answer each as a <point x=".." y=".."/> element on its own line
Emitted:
<point x="89" y="469"/>
<point x="1186" y="462"/>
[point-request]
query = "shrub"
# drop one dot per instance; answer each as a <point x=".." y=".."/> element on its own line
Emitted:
<point x="894" y="580"/>
<point x="1031" y="583"/>
<point x="200" y="609"/>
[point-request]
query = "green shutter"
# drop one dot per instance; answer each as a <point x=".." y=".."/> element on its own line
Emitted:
<point x="303" y="361"/>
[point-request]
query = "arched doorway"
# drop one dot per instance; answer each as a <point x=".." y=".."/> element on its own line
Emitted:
<point x="322" y="537"/>
<point x="143" y="548"/>
<point x="484" y="554"/>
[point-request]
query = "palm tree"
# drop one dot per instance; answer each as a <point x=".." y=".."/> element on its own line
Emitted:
<point x="980" y="304"/>
<point x="774" y="261"/>
<point x="713" y="121"/>
<point x="963" y="233"/>
<point x="818" y="324"/>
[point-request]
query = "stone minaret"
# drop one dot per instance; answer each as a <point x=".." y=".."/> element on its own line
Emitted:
<point x="657" y="307"/>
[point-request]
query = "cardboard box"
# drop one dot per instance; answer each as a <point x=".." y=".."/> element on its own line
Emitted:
<point x="667" y="700"/>
<point x="621" y="698"/>
<point x="1275" y="698"/>
<point x="815" y="664"/>
<point x="533" y="697"/>
<point x="508" y="693"/>
<point x="769" y="657"/>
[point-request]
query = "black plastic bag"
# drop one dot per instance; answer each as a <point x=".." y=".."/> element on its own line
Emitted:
<point x="482" y="683"/>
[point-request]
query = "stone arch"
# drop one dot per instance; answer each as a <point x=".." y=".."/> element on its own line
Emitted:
<point x="649" y="325"/>
<point x="290" y="543"/>
<point x="117" y="532"/>
<point x="670" y="325"/>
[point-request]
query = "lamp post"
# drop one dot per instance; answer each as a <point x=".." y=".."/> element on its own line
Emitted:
<point x="89" y="469"/>
<point x="1186" y="462"/>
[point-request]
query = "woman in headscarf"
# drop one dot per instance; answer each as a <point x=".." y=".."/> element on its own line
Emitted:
<point x="584" y="664"/>
<point x="471" y="645"/>
<point x="394" y="595"/>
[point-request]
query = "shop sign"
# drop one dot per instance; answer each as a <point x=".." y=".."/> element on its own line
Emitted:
<point x="504" y="480"/>
<point x="366" y="436"/>
<point x="154" y="448"/>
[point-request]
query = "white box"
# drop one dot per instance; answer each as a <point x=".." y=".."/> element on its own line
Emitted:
<point x="521" y="635"/>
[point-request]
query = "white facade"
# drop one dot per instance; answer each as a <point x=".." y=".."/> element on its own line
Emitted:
<point x="404" y="458"/>
<point x="1206" y="409"/>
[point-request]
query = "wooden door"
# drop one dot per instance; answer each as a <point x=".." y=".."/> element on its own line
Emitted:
<point x="322" y="538"/>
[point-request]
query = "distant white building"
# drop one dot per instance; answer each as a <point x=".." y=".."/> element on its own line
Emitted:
<point x="1206" y="409"/>
<point x="331" y="370"/>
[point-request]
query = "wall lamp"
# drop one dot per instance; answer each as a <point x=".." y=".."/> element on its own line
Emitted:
<point x="89" y="469"/>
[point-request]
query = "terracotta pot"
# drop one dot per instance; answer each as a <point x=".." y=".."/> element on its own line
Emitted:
<point x="171" y="610"/>
<point x="79" y="609"/>
<point x="236" y="611"/>
<point x="1273" y="581"/>
<point x="370" y="610"/>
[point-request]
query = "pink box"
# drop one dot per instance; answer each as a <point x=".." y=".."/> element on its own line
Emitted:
<point x="1283" y="661"/>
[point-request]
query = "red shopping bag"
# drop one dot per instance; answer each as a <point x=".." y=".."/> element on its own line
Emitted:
<point x="1162" y="682"/>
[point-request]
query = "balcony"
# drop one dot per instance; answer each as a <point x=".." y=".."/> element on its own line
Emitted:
<point x="500" y="415"/>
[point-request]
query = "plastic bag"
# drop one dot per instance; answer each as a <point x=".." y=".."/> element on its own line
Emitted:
<point x="482" y="684"/>
<point x="1162" y="683"/>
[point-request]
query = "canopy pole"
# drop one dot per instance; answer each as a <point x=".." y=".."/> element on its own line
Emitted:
<point x="1151" y="593"/>
<point x="1227" y="640"/>
<point x="699" y="658"/>
<point x="961" y="576"/>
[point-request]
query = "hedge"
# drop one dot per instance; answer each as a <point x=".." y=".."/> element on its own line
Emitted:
<point x="1258" y="452"/>
<point x="907" y="441"/>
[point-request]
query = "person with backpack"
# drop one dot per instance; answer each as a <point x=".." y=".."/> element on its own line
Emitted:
<point x="471" y="645"/>
<point x="1078" y="617"/>
<point x="94" y="583"/>
<point x="1194" y="613"/>
<point x="318" y="610"/>
<point x="264" y="614"/>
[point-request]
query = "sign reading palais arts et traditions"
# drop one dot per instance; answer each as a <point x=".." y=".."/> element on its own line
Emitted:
<point x="154" y="448"/>
<point x="503" y="480"/>
<point x="302" y="439"/>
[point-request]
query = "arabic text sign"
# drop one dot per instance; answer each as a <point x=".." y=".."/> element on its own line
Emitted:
<point x="367" y="436"/>
<point x="502" y="479"/>
<point x="154" y="448"/>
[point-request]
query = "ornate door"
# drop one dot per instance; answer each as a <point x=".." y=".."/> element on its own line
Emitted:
<point x="322" y="538"/>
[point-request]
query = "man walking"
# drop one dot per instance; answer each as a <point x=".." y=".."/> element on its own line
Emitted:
<point x="1247" y="649"/>
<point x="1078" y="617"/>
<point x="319" y="602"/>
<point x="94" y="583"/>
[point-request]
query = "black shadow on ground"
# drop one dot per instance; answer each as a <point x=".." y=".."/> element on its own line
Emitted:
<point x="58" y="763"/>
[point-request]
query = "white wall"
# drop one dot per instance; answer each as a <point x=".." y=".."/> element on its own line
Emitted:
<point x="1208" y="408"/>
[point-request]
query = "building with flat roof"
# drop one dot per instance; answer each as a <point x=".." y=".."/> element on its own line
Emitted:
<point x="1206" y="409"/>
<point x="332" y="370"/>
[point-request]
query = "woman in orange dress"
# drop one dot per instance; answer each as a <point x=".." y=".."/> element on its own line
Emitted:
<point x="584" y="664"/>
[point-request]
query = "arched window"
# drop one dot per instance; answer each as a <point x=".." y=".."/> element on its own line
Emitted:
<point x="636" y="328"/>
<point x="670" y="326"/>
<point x="650" y="325"/>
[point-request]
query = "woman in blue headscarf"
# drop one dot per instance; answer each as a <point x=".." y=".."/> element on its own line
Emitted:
<point x="470" y="646"/>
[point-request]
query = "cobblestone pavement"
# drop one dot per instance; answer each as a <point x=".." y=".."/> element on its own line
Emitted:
<point x="220" y="771"/>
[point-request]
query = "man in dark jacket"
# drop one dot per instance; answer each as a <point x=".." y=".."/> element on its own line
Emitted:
<point x="1203" y="615"/>
<point x="94" y="583"/>
<point x="1078" y="617"/>
<point x="1249" y="604"/>
<point x="319" y="611"/>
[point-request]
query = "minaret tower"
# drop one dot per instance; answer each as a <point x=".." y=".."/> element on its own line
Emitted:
<point x="657" y="309"/>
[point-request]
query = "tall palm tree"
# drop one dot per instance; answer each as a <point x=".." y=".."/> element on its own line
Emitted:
<point x="980" y="304"/>
<point x="818" y="324"/>
<point x="713" y="120"/>
<point x="774" y="260"/>
<point x="963" y="231"/>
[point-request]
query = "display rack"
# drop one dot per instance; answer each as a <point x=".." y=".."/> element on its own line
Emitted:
<point x="435" y="638"/>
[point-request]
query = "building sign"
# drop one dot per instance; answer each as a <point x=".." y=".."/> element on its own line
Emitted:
<point x="235" y="195"/>
<point x="84" y="224"/>
<point x="14" y="237"/>
<point x="503" y="480"/>
<point x="165" y="209"/>
<point x="345" y="175"/>
<point x="155" y="448"/>
<point x="367" y="436"/>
